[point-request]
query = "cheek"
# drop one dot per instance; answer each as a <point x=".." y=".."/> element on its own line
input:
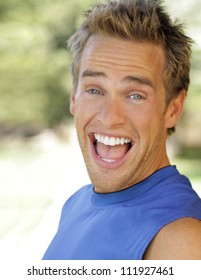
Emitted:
<point x="149" y="124"/>
<point x="86" y="107"/>
<point x="83" y="113"/>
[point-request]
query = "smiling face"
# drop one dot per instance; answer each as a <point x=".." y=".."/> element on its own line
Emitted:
<point x="120" y="113"/>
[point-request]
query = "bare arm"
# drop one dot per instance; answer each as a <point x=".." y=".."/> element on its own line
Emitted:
<point x="179" y="240"/>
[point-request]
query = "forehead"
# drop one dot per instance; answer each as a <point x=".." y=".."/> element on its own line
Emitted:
<point x="122" y="57"/>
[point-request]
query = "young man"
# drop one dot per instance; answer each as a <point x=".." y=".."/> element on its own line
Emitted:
<point x="130" y="78"/>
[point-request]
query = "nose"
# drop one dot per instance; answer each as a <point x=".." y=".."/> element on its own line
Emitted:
<point x="112" y="113"/>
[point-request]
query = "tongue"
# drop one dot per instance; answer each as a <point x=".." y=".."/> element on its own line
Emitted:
<point x="111" y="152"/>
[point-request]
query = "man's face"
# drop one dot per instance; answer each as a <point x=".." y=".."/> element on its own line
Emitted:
<point x="119" y="111"/>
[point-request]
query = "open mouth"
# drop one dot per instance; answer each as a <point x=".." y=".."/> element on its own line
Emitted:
<point x="111" y="149"/>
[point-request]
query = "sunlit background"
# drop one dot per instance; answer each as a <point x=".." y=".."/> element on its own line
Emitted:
<point x="40" y="161"/>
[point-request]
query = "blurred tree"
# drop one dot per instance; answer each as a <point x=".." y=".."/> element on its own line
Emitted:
<point x="189" y="135"/>
<point x="34" y="62"/>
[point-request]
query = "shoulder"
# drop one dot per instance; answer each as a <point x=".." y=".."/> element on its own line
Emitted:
<point x="81" y="194"/>
<point x="179" y="240"/>
<point x="84" y="190"/>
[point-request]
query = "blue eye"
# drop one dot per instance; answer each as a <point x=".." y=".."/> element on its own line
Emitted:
<point x="93" y="91"/>
<point x="136" y="96"/>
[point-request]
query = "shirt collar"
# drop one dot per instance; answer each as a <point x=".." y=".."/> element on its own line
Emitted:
<point x="100" y="199"/>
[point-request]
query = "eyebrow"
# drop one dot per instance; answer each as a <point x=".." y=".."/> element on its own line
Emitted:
<point x="139" y="80"/>
<point x="127" y="79"/>
<point x="93" y="74"/>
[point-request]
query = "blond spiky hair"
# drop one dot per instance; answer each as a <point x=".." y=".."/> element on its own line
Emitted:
<point x="142" y="20"/>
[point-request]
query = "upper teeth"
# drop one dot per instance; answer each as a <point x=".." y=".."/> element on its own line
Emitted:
<point x="111" y="141"/>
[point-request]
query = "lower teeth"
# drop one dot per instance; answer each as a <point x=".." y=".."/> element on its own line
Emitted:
<point x="108" y="160"/>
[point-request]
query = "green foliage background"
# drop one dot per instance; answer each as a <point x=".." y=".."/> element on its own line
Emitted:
<point x="34" y="62"/>
<point x="35" y="80"/>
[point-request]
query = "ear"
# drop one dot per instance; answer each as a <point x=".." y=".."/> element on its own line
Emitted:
<point x="175" y="109"/>
<point x="72" y="101"/>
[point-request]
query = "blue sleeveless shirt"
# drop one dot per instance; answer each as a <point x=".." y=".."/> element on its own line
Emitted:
<point x="121" y="225"/>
